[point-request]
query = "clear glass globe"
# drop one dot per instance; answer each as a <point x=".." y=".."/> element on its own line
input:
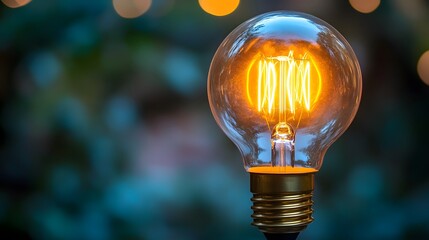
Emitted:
<point x="284" y="86"/>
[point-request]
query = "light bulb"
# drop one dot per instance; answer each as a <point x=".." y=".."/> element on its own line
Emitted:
<point x="283" y="86"/>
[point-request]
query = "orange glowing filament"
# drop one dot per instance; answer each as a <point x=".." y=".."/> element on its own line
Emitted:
<point x="283" y="84"/>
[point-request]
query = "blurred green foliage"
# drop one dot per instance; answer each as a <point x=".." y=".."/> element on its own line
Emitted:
<point x="105" y="130"/>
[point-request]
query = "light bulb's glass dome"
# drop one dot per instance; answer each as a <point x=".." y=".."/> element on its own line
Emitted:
<point x="284" y="86"/>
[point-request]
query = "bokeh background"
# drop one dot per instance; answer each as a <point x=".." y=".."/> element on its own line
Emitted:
<point x="106" y="132"/>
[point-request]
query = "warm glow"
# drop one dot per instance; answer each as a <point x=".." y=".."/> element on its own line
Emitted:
<point x="15" y="3"/>
<point x="281" y="170"/>
<point x="365" y="6"/>
<point x="131" y="8"/>
<point x="219" y="7"/>
<point x="423" y="67"/>
<point x="283" y="84"/>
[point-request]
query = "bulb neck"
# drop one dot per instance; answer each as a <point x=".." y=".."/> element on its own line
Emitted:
<point x="282" y="203"/>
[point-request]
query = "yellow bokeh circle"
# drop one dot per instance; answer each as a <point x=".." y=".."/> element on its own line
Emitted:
<point x="219" y="7"/>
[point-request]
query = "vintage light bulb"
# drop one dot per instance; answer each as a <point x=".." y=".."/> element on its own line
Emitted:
<point x="284" y="86"/>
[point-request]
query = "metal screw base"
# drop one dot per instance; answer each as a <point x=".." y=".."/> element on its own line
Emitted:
<point x="282" y="202"/>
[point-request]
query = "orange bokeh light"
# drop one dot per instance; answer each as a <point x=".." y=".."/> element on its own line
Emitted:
<point x="15" y="3"/>
<point x="423" y="67"/>
<point x="131" y="8"/>
<point x="219" y="7"/>
<point x="365" y="6"/>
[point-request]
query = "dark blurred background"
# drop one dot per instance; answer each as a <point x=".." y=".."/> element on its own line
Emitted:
<point x="106" y="132"/>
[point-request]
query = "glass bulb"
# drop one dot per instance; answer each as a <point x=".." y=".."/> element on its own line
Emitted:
<point x="284" y="86"/>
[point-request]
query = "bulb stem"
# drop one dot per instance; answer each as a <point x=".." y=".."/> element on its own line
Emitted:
<point x="283" y="145"/>
<point x="282" y="203"/>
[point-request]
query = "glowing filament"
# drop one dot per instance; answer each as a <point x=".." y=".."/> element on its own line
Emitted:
<point x="283" y="84"/>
